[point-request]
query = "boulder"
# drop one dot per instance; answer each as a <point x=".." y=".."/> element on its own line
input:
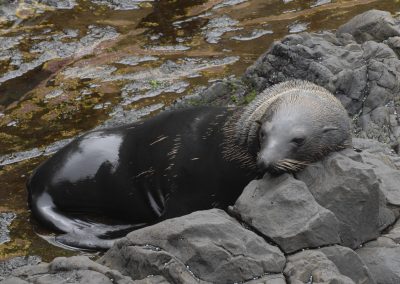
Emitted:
<point x="348" y="263"/>
<point x="6" y="219"/>
<point x="348" y="186"/>
<point x="343" y="199"/>
<point x="283" y="209"/>
<point x="8" y="265"/>
<point x="205" y="246"/>
<point x="311" y="266"/>
<point x="334" y="264"/>
<point x="382" y="258"/>
<point x="76" y="269"/>
<point x="372" y="25"/>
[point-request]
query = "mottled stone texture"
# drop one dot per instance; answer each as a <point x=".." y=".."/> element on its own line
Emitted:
<point x="284" y="210"/>
<point x="206" y="245"/>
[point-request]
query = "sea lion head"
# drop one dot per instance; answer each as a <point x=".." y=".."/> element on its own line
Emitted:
<point x="298" y="129"/>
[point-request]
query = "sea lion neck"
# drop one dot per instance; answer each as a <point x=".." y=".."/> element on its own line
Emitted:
<point x="234" y="147"/>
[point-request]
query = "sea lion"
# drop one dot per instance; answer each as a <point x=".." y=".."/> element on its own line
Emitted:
<point x="182" y="161"/>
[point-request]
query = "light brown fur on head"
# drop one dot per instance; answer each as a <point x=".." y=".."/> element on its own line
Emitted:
<point x="294" y="123"/>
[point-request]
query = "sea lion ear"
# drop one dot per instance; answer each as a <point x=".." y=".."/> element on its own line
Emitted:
<point x="329" y="128"/>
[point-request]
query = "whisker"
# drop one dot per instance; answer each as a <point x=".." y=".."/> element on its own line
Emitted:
<point x="290" y="165"/>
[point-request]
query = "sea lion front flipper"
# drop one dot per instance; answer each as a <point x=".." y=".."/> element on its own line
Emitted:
<point x="93" y="238"/>
<point x="79" y="233"/>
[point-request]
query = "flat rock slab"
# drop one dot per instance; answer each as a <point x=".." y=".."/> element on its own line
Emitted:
<point x="382" y="258"/>
<point x="205" y="246"/>
<point x="334" y="264"/>
<point x="76" y="269"/>
<point x="5" y="221"/>
<point x="8" y="265"/>
<point x="283" y="209"/>
<point x="348" y="264"/>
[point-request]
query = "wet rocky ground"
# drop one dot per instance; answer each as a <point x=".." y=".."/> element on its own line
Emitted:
<point x="70" y="66"/>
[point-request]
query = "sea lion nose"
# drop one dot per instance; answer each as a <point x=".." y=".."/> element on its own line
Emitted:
<point x="262" y="165"/>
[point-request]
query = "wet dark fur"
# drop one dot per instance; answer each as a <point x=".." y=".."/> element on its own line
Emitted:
<point x="181" y="161"/>
<point x="141" y="173"/>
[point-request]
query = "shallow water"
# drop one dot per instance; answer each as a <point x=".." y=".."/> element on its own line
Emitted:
<point x="64" y="71"/>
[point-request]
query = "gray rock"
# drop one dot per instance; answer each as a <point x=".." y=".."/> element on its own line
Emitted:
<point x="7" y="266"/>
<point x="394" y="233"/>
<point x="383" y="260"/>
<point x="76" y="269"/>
<point x="387" y="173"/>
<point x="394" y="43"/>
<point x="205" y="246"/>
<point x="284" y="210"/>
<point x="372" y="25"/>
<point x="216" y="27"/>
<point x="348" y="264"/>
<point x="14" y="280"/>
<point x="334" y="264"/>
<point x="381" y="242"/>
<point x="5" y="221"/>
<point x="347" y="186"/>
<point x="313" y="266"/>
<point x="363" y="74"/>
<point x="373" y="146"/>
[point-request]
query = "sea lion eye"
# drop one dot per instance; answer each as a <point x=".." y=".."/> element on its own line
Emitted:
<point x="298" y="141"/>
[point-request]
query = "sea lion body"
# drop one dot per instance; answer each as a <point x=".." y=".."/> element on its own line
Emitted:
<point x="182" y="161"/>
<point x="142" y="173"/>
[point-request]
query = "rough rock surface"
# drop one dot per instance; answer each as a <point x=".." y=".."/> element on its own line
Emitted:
<point x="284" y="210"/>
<point x="7" y="266"/>
<point x="205" y="246"/>
<point x="329" y="265"/>
<point x="394" y="233"/>
<point x="5" y="221"/>
<point x="76" y="269"/>
<point x="382" y="259"/>
<point x="348" y="263"/>
<point x="372" y="25"/>
<point x="338" y="200"/>
<point x="359" y="64"/>
<point x="353" y="198"/>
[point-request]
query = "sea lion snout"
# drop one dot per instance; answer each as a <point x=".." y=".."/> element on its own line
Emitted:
<point x="269" y="154"/>
<point x="281" y="140"/>
<point x="278" y="156"/>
